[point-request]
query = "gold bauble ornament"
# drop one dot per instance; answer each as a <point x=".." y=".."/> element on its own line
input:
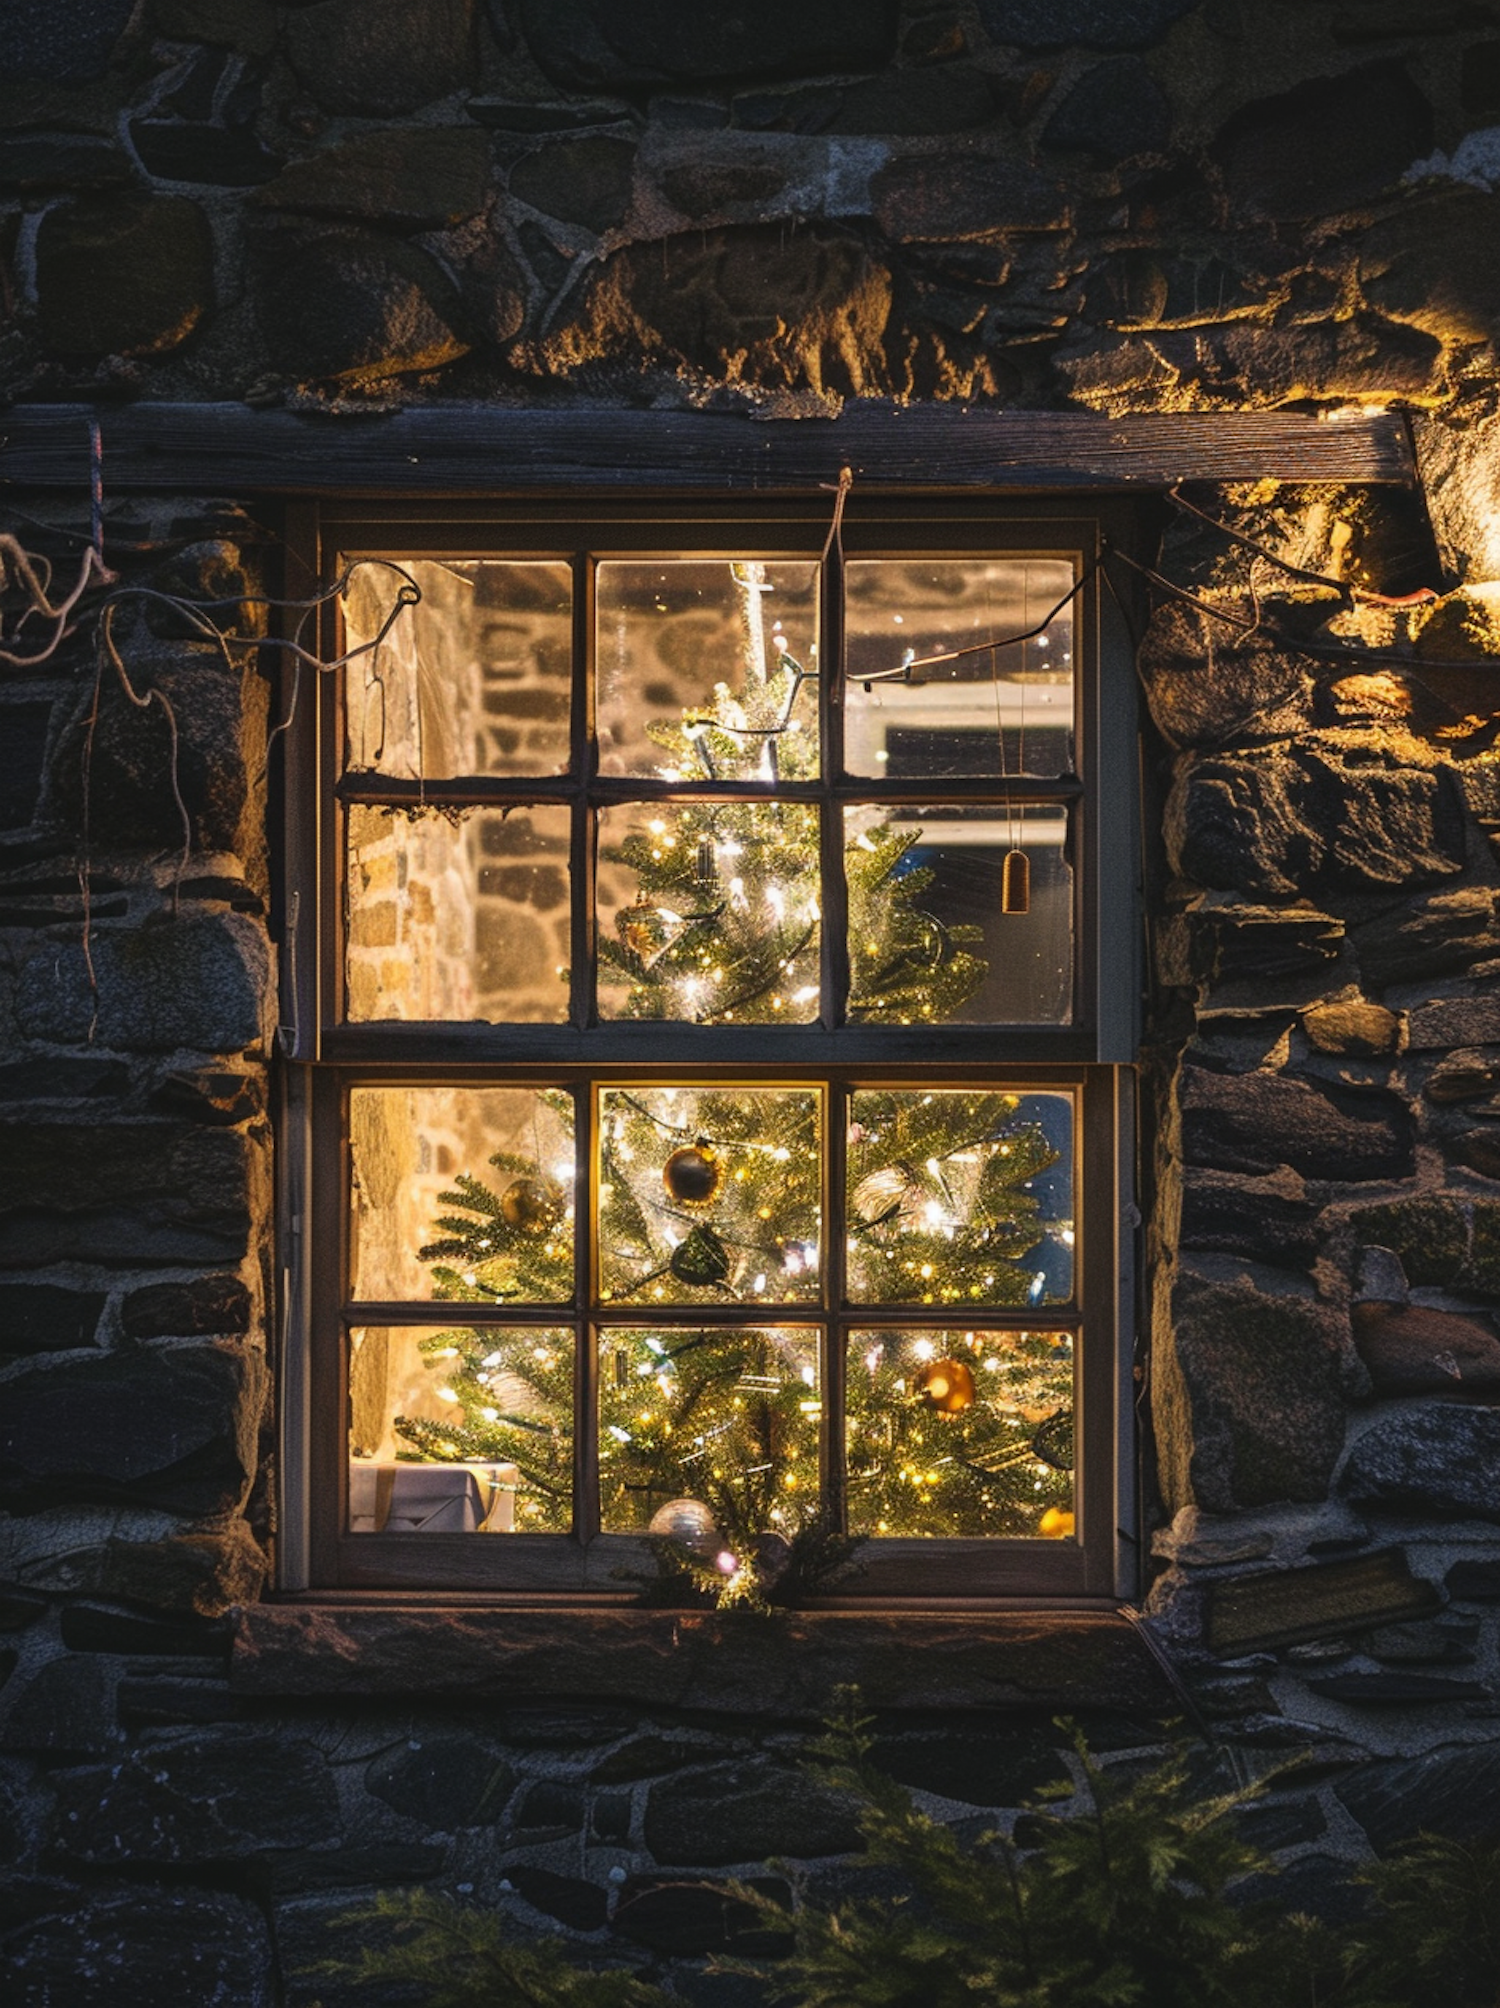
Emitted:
<point x="947" y="1386"/>
<point x="532" y="1205"/>
<point x="642" y="926"/>
<point x="694" y="1175"/>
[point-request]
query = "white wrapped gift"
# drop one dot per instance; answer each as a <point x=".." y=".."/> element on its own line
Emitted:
<point x="392" y="1498"/>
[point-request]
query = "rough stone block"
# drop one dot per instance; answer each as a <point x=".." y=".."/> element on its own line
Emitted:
<point x="1441" y="1460"/>
<point x="1323" y="1130"/>
<point x="1454" y="1021"/>
<point x="443" y="1781"/>
<point x="1463" y="1077"/>
<point x="1241" y="687"/>
<point x="46" y="1318"/>
<point x="381" y="56"/>
<point x="1447" y="932"/>
<point x="1356" y="1028"/>
<point x="91" y="1628"/>
<point x="1115" y="111"/>
<point x="66" y="1709"/>
<point x="580" y="1905"/>
<point x="593" y="45"/>
<point x="123" y="274"/>
<point x="1327" y="143"/>
<point x="1430" y="1235"/>
<point x="1293" y="820"/>
<point x="203" y="983"/>
<point x="1453" y="1793"/>
<point x="1289" y="1606"/>
<point x="416" y="178"/>
<point x="209" y="1573"/>
<point x="138" y="1947"/>
<point x="744" y="1812"/>
<point x="174" y="1429"/>
<point x="220" y="1796"/>
<point x="1474" y="1582"/>
<point x="927" y="198"/>
<point x="23" y="745"/>
<point x="207" y="1307"/>
<point x="128" y="1192"/>
<point x="1396" y="1690"/>
<point x="1098" y="24"/>
<point x="550" y="1808"/>
<point x="975" y="1768"/>
<point x="1421" y="1351"/>
<point x="210" y="1095"/>
<point x="584" y="181"/>
<point x="219" y="156"/>
<point x="1250" y="1407"/>
<point x="684" y="1919"/>
<point x="354" y="307"/>
<point x="1417" y="265"/>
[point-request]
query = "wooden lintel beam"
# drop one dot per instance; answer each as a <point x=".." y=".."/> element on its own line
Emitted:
<point x="229" y="449"/>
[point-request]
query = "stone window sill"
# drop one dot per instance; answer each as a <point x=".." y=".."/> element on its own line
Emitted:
<point x="782" y="1666"/>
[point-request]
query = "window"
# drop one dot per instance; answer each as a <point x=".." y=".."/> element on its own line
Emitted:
<point x="706" y="951"/>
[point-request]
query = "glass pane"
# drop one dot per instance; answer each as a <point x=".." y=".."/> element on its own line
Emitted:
<point x="926" y="697"/>
<point x="458" y="914"/>
<point x="709" y="1195"/>
<point x="475" y="679"/>
<point x="461" y="1193"/>
<point x="709" y="1437"/>
<point x="709" y="912"/>
<point x="960" y="1433"/>
<point x="708" y="668"/>
<point x="958" y="1198"/>
<point x="467" y="1431"/>
<point x="959" y="915"/>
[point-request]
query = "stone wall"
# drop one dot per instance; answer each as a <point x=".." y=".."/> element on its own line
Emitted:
<point x="1165" y="205"/>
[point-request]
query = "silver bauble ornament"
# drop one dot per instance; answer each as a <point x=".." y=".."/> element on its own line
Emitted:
<point x="690" y="1524"/>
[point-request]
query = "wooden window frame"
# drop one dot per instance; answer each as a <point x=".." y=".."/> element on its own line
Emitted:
<point x="325" y="1056"/>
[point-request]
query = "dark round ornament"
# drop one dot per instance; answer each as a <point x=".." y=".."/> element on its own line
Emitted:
<point x="532" y="1205"/>
<point x="947" y="1386"/>
<point x="694" y="1175"/>
<point x="700" y="1258"/>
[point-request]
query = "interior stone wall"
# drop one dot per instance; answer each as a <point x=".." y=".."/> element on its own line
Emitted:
<point x="1166" y="205"/>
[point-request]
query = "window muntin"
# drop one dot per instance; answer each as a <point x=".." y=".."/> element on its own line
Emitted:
<point x="1037" y="803"/>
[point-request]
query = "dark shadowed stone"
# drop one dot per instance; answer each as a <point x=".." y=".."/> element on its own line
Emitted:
<point x="687" y="1918"/>
<point x="1474" y="1582"/>
<point x="126" y="274"/>
<point x="1240" y="686"/>
<point x="612" y="1817"/>
<point x="46" y="1318"/>
<point x="584" y="181"/>
<point x="141" y="1947"/>
<point x="126" y="1192"/>
<point x="201" y="983"/>
<point x="174" y="1701"/>
<point x="443" y="1781"/>
<point x="1442" y="1460"/>
<point x="66" y="1708"/>
<point x="1290" y="820"/>
<point x="1454" y="1793"/>
<point x="492" y="285"/>
<point x="1098" y="24"/>
<point x="1419" y="265"/>
<point x="647" y="1757"/>
<point x="978" y="1770"/>
<point x="205" y="1307"/>
<point x="951" y="97"/>
<point x="746" y="1811"/>
<point x="23" y="744"/>
<point x="210" y="1095"/>
<point x="416" y="178"/>
<point x="550" y="1808"/>
<point x="580" y="1905"/>
<point x="1431" y="1236"/>
<point x="931" y="198"/>
<point x="594" y="44"/>
<point x="207" y="1573"/>
<point x="1284" y="1607"/>
<point x="1424" y="1642"/>
<point x="1257" y="1218"/>
<point x="806" y="306"/>
<point x="381" y="56"/>
<point x="19" y="1609"/>
<point x="1420" y="1351"/>
<point x="63" y="41"/>
<point x="1285" y="1824"/>
<point x="1392" y="1690"/>
<point x="300" y="1871"/>
<point x="1250" y="1409"/>
<point x="1454" y="1021"/>
<point x="174" y="1429"/>
<point x="215" y="1797"/>
<point x="562" y="1728"/>
<point x="1115" y="110"/>
<point x="1326" y="144"/>
<point x="56" y="1079"/>
<point x="1446" y="932"/>
<point x="34" y="160"/>
<point x="1233" y="943"/>
<point x="1255" y="1122"/>
<point x="1483" y="1268"/>
<point x="1479" y="1149"/>
<point x="88" y="1628"/>
<point x="217" y="156"/>
<point x="354" y="307"/>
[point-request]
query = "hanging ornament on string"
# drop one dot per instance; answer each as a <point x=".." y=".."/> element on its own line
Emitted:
<point x="947" y="1386"/>
<point x="644" y="927"/>
<point x="701" y="1259"/>
<point x="532" y="1206"/>
<point x="1015" y="883"/>
<point x="694" y="1175"/>
<point x="689" y="1524"/>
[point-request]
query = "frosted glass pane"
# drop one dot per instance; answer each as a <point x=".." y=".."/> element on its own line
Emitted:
<point x="963" y="708"/>
<point x="707" y="668"/>
<point x="475" y="679"/>
<point x="458" y="915"/>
